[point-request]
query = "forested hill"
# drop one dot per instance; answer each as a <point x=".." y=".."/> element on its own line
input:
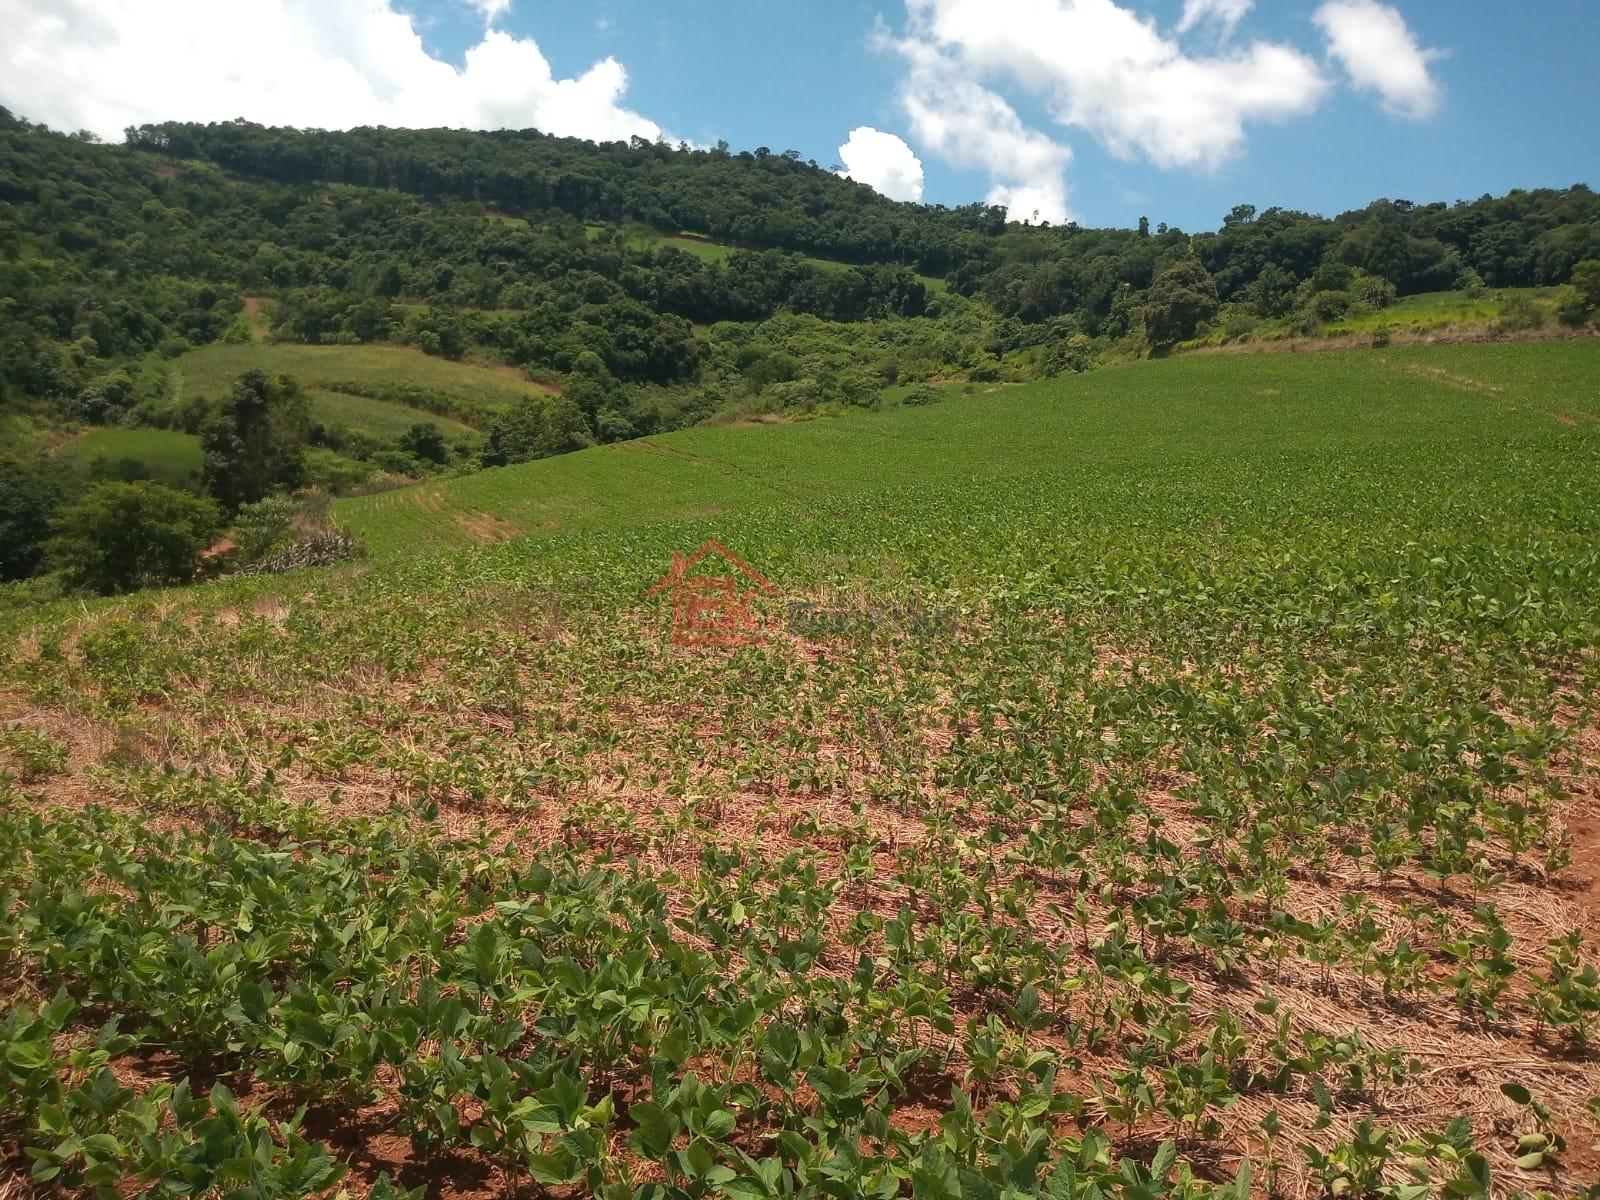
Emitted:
<point x="549" y="253"/>
<point x="764" y="200"/>
<point x="415" y="302"/>
<point x="753" y="198"/>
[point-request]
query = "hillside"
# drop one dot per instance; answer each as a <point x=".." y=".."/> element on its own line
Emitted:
<point x="1176" y="780"/>
<point x="637" y="289"/>
<point x="1185" y="409"/>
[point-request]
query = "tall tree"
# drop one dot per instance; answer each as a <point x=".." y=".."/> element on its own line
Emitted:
<point x="28" y="497"/>
<point x="1178" y="300"/>
<point x="537" y="428"/>
<point x="255" y="444"/>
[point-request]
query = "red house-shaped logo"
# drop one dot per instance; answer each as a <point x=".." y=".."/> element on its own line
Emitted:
<point x="711" y="608"/>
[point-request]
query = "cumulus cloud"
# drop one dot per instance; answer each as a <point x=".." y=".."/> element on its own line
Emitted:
<point x="1224" y="13"/>
<point x="1103" y="68"/>
<point x="1032" y="203"/>
<point x="106" y="64"/>
<point x="963" y="123"/>
<point x="967" y="125"/>
<point x="1109" y="71"/>
<point x="1377" y="49"/>
<point x="883" y="162"/>
<point x="1092" y="65"/>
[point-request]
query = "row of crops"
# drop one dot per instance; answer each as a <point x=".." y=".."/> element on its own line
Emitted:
<point x="1193" y="824"/>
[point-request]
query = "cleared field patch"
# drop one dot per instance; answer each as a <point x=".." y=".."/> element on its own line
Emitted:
<point x="702" y="248"/>
<point x="1432" y="318"/>
<point x="210" y="371"/>
<point x="934" y="284"/>
<point x="260" y="328"/>
<point x="610" y="485"/>
<point x="383" y="418"/>
<point x="709" y="250"/>
<point x="169" y="456"/>
<point x="1438" y="310"/>
<point x="21" y="433"/>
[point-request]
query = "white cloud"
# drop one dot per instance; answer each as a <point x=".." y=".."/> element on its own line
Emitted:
<point x="963" y="123"/>
<point x="1380" y="53"/>
<point x="883" y="162"/>
<point x="1032" y="203"/>
<point x="1107" y="70"/>
<point x="967" y="125"/>
<point x="1225" y="13"/>
<point x="1103" y="68"/>
<point x="332" y="64"/>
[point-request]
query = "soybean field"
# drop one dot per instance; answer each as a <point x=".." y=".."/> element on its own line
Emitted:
<point x="1180" y="780"/>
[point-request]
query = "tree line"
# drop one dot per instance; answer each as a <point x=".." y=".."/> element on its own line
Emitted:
<point x="766" y="200"/>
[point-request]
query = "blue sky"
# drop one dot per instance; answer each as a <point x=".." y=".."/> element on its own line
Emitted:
<point x="1517" y="109"/>
<point x="1101" y="110"/>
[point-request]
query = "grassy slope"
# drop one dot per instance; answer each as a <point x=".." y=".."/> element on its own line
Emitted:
<point x="171" y="457"/>
<point x="381" y="417"/>
<point x="211" y="370"/>
<point x="1126" y="417"/>
<point x="20" y="433"/>
<point x="1435" y="310"/>
<point x="1427" y="316"/>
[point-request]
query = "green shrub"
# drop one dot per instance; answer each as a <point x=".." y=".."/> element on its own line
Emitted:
<point x="537" y="428"/>
<point x="424" y="441"/>
<point x="1372" y="291"/>
<point x="263" y="527"/>
<point x="123" y="536"/>
<point x="1072" y="354"/>
<point x="1586" y="279"/>
<point x="334" y="472"/>
<point x="1518" y="313"/>
<point x="104" y="401"/>
<point x="1239" y="323"/>
<point x="397" y="462"/>
<point x="1329" y="306"/>
<point x="1571" y="308"/>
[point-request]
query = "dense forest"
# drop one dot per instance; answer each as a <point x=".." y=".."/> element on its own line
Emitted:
<point x="641" y="287"/>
